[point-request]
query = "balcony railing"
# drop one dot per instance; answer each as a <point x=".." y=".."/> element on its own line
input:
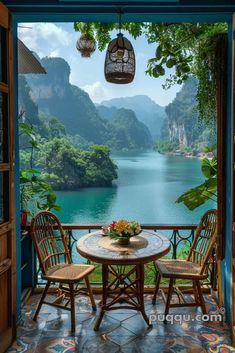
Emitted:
<point x="181" y="237"/>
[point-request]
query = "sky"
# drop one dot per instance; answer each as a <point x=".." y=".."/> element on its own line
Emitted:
<point x="59" y="40"/>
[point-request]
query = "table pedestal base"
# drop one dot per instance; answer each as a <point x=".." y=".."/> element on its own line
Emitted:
<point x="122" y="284"/>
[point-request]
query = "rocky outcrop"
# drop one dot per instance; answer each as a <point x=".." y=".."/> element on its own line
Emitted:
<point x="177" y="133"/>
<point x="146" y="110"/>
<point x="182" y="117"/>
<point x="56" y="97"/>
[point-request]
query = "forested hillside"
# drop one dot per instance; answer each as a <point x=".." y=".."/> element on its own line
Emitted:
<point x="73" y="137"/>
<point x="56" y="97"/>
<point x="146" y="110"/>
<point x="76" y="135"/>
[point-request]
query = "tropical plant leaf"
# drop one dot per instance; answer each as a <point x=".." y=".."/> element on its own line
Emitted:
<point x="26" y="127"/>
<point x="209" y="167"/>
<point x="170" y="63"/>
<point x="197" y="196"/>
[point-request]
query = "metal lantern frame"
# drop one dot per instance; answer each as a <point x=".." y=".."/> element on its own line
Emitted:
<point x="86" y="45"/>
<point x="119" y="66"/>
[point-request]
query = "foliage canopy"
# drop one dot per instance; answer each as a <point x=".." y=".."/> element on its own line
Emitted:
<point x="35" y="191"/>
<point x="68" y="167"/>
<point x="186" y="48"/>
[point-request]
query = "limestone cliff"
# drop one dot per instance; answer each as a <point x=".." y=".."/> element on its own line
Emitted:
<point x="182" y="117"/>
<point x="57" y="97"/>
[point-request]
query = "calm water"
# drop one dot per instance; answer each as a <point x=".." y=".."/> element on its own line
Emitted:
<point x="146" y="190"/>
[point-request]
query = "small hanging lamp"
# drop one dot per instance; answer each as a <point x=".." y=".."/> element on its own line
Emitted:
<point x="119" y="64"/>
<point x="86" y="45"/>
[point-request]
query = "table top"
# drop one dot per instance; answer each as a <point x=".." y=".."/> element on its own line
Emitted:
<point x="147" y="247"/>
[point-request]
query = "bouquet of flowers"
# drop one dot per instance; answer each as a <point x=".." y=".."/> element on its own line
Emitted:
<point x="122" y="229"/>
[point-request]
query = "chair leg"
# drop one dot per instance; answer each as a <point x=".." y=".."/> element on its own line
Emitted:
<point x="168" y="301"/>
<point x="41" y="300"/>
<point x="201" y="299"/>
<point x="158" y="280"/>
<point x="90" y="293"/>
<point x="72" y="305"/>
<point x="195" y="292"/>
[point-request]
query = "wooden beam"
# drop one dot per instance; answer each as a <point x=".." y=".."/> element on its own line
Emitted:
<point x="3" y="16"/>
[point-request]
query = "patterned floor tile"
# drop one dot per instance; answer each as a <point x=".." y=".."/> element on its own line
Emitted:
<point x="165" y="344"/>
<point x="121" y="336"/>
<point x="100" y="345"/>
<point x="121" y="314"/>
<point x="57" y="345"/>
<point x="136" y="324"/>
<point x="221" y="349"/>
<point x="121" y="331"/>
<point x="23" y="345"/>
<point x="108" y="324"/>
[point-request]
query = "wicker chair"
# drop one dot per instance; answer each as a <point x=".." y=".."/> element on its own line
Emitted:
<point x="52" y="250"/>
<point x="194" y="268"/>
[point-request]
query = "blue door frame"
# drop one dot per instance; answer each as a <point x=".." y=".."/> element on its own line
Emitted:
<point x="96" y="14"/>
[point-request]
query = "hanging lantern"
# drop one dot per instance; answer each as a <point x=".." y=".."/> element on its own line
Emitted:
<point x="119" y="64"/>
<point x="86" y="45"/>
<point x="120" y="61"/>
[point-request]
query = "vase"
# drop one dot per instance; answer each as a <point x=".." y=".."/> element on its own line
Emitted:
<point x="124" y="241"/>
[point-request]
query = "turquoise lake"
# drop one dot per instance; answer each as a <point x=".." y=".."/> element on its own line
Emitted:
<point x="146" y="190"/>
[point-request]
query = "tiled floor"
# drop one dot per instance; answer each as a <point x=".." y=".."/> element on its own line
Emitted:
<point x="120" y="331"/>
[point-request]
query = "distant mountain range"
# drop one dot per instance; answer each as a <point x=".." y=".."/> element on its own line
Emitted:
<point x="121" y="123"/>
<point x="57" y="98"/>
<point x="146" y="110"/>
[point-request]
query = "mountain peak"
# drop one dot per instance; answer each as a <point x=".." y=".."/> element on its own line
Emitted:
<point x="146" y="110"/>
<point x="137" y="99"/>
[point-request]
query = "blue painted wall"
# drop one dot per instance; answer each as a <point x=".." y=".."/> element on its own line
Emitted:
<point x="226" y="264"/>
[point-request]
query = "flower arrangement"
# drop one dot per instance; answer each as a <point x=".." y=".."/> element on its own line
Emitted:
<point x="122" y="229"/>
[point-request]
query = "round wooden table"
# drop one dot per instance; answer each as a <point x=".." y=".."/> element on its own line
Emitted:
<point x="123" y="267"/>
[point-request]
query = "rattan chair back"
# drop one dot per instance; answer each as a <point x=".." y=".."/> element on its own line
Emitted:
<point x="204" y="241"/>
<point x="49" y="240"/>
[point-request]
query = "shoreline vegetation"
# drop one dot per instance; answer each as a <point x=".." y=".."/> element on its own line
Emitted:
<point x="66" y="139"/>
<point x="73" y="137"/>
<point x="172" y="148"/>
<point x="199" y="155"/>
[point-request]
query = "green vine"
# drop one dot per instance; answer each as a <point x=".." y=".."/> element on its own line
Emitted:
<point x="186" y="49"/>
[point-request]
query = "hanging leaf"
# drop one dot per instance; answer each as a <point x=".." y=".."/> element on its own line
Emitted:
<point x="197" y="196"/>
<point x="170" y="63"/>
<point x="158" y="53"/>
<point x="159" y="70"/>
<point x="209" y="167"/>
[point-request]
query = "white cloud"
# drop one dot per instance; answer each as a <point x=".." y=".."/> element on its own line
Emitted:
<point x="96" y="91"/>
<point x="55" y="53"/>
<point x="46" y="39"/>
<point x="59" y="40"/>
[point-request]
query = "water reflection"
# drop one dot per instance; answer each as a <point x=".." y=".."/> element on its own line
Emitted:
<point x="89" y="205"/>
<point x="146" y="190"/>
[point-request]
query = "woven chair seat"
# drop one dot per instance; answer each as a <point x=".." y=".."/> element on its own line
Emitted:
<point x="194" y="268"/>
<point x="179" y="269"/>
<point x="51" y="245"/>
<point x="68" y="273"/>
